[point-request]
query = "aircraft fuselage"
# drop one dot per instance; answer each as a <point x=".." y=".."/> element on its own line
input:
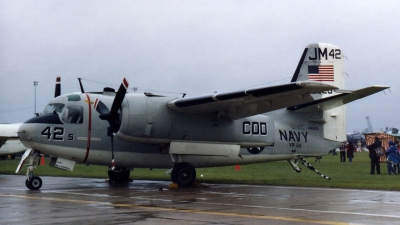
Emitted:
<point x="70" y="128"/>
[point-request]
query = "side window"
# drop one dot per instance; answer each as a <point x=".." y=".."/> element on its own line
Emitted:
<point x="73" y="114"/>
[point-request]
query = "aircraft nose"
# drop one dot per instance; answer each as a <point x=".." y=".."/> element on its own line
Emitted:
<point x="25" y="134"/>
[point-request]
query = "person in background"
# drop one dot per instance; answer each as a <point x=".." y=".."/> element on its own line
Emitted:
<point x="398" y="153"/>
<point x="392" y="159"/>
<point x="343" y="152"/>
<point x="359" y="148"/>
<point x="374" y="157"/>
<point x="336" y="150"/>
<point x="350" y="151"/>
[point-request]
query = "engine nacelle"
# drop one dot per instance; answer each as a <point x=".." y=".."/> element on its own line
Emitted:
<point x="146" y="117"/>
<point x="149" y="120"/>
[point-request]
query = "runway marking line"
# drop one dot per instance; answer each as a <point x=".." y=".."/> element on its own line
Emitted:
<point x="178" y="210"/>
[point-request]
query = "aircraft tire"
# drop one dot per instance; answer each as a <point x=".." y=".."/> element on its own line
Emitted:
<point x="34" y="183"/>
<point x="27" y="183"/>
<point x="184" y="174"/>
<point x="174" y="175"/>
<point x="119" y="175"/>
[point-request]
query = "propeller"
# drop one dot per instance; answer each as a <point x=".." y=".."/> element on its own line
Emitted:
<point x="112" y="116"/>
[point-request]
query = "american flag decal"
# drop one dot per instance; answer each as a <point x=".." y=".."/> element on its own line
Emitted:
<point x="322" y="73"/>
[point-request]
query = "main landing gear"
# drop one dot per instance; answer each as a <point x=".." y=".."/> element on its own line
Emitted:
<point x="118" y="175"/>
<point x="183" y="174"/>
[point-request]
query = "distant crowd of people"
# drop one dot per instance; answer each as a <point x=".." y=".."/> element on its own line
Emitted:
<point x="346" y="147"/>
<point x="392" y="155"/>
<point x="376" y="151"/>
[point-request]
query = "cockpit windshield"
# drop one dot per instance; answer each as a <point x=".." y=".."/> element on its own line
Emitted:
<point x="54" y="107"/>
<point x="72" y="114"/>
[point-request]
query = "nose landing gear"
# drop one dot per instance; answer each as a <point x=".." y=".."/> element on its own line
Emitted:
<point x="32" y="182"/>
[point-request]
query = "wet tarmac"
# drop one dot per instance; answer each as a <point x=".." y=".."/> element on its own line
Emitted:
<point x="93" y="201"/>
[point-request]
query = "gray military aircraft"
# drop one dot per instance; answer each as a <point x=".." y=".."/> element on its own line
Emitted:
<point x="304" y="118"/>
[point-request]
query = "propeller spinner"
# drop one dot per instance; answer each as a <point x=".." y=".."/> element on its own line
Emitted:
<point x="112" y="116"/>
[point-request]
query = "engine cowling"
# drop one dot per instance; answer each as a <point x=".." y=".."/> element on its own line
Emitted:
<point x="149" y="120"/>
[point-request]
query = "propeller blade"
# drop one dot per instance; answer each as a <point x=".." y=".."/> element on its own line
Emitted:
<point x="112" y="116"/>
<point x="119" y="98"/>
<point x="100" y="107"/>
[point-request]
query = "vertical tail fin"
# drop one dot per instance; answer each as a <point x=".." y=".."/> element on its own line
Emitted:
<point x="321" y="62"/>
<point x="324" y="63"/>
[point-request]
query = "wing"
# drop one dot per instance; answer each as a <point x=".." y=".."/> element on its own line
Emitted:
<point x="336" y="100"/>
<point x="3" y="140"/>
<point x="254" y="101"/>
<point x="8" y="131"/>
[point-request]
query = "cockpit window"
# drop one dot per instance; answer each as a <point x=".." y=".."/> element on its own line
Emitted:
<point x="55" y="107"/>
<point x="74" y="98"/>
<point x="73" y="114"/>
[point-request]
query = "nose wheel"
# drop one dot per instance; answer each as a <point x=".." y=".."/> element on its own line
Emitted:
<point x="34" y="183"/>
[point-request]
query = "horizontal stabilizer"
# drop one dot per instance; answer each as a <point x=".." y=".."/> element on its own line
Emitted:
<point x="336" y="100"/>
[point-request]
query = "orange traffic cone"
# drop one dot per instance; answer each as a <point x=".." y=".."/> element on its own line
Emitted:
<point x="42" y="162"/>
<point x="237" y="167"/>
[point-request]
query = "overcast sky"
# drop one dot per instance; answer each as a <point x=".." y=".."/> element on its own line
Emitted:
<point x="196" y="47"/>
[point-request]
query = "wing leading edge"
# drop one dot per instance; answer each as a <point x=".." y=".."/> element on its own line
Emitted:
<point x="253" y="101"/>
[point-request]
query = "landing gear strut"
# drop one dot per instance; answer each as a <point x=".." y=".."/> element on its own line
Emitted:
<point x="33" y="182"/>
<point x="183" y="174"/>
